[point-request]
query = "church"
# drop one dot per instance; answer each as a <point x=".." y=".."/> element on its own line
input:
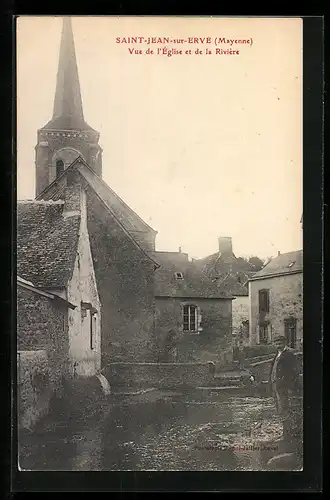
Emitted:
<point x="133" y="302"/>
<point x="68" y="168"/>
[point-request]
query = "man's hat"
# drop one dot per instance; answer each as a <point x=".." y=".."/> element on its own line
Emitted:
<point x="279" y="337"/>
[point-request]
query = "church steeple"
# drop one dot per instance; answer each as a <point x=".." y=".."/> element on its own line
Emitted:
<point x="67" y="135"/>
<point x="68" y="109"/>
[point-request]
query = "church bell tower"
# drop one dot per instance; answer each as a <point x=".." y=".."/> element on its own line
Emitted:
<point x="66" y="136"/>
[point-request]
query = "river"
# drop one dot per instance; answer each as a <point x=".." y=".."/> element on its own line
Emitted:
<point x="161" y="432"/>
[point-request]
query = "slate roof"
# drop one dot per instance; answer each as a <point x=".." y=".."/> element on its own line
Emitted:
<point x="229" y="272"/>
<point x="46" y="243"/>
<point x="221" y="262"/>
<point x="286" y="263"/>
<point x="126" y="216"/>
<point x="68" y="123"/>
<point x="195" y="284"/>
<point x="233" y="284"/>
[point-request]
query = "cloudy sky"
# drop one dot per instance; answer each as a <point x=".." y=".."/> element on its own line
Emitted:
<point x="200" y="146"/>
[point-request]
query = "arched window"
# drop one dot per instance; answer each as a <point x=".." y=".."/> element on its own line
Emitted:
<point x="59" y="167"/>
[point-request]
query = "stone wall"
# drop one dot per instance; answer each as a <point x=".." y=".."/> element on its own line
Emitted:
<point x="42" y="165"/>
<point x="34" y="388"/>
<point x="212" y="343"/>
<point x="158" y="375"/>
<point x="42" y="325"/>
<point x="285" y="300"/>
<point x="125" y="280"/>
<point x="240" y="314"/>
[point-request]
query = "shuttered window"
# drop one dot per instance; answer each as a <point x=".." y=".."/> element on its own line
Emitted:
<point x="263" y="301"/>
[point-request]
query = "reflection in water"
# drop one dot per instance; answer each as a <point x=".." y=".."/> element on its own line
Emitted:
<point x="168" y="433"/>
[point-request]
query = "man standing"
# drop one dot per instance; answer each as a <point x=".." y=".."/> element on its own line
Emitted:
<point x="286" y="386"/>
<point x="238" y="353"/>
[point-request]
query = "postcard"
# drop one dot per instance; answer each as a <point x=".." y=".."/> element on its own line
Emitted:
<point x="159" y="243"/>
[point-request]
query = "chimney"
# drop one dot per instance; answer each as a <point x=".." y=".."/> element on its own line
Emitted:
<point x="225" y="244"/>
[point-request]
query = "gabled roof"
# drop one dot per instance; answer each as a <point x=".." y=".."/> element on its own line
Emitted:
<point x="124" y="215"/>
<point x="286" y="263"/>
<point x="195" y="284"/>
<point x="46" y="243"/>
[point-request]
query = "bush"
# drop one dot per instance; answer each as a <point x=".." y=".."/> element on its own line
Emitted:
<point x="259" y="350"/>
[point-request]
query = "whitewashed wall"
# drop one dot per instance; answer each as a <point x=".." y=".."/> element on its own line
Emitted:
<point x="85" y="361"/>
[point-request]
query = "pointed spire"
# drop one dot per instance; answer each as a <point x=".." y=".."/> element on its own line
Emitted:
<point x="68" y="110"/>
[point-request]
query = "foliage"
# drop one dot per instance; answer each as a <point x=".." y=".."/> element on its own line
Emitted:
<point x="252" y="263"/>
<point x="256" y="263"/>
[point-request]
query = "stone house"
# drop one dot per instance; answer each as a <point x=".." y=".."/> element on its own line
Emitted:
<point x="193" y="315"/>
<point x="231" y="274"/>
<point x="61" y="311"/>
<point x="42" y="325"/>
<point x="42" y="350"/>
<point x="276" y="300"/>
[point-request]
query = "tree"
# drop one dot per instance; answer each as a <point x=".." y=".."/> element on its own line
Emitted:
<point x="251" y="263"/>
<point x="256" y="263"/>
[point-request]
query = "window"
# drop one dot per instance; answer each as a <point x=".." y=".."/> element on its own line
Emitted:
<point x="179" y="276"/>
<point x="290" y="331"/>
<point x="189" y="318"/>
<point x="92" y="329"/>
<point x="263" y="301"/>
<point x="59" y="167"/>
<point x="89" y="323"/>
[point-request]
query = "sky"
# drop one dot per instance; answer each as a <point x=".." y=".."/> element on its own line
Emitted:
<point x="199" y="145"/>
